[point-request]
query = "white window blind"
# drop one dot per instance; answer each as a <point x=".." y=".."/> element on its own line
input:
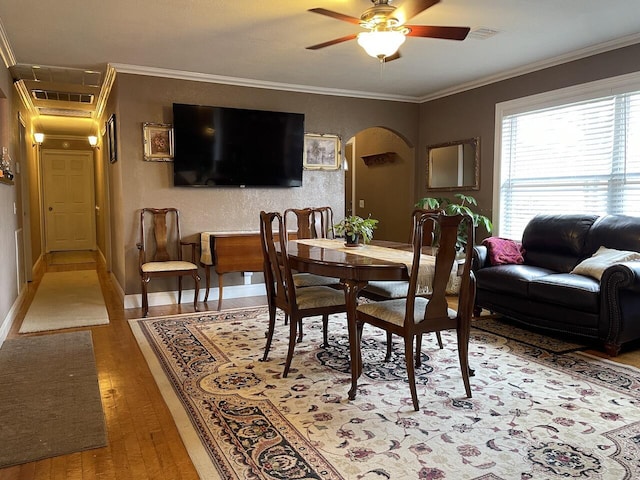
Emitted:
<point x="582" y="157"/>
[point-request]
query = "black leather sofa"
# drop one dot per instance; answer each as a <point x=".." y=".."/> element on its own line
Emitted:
<point x="543" y="294"/>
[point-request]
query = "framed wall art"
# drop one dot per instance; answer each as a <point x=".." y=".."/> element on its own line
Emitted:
<point x="157" y="140"/>
<point x="111" y="139"/>
<point x="321" y="152"/>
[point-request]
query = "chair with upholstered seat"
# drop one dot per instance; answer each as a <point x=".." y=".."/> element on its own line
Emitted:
<point x="414" y="315"/>
<point x="160" y="252"/>
<point x="296" y="302"/>
<point x="312" y="222"/>
<point x="390" y="289"/>
<point x="323" y="222"/>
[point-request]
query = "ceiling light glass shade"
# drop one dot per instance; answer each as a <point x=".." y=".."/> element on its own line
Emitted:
<point x="38" y="137"/>
<point x="93" y="140"/>
<point x="381" y="44"/>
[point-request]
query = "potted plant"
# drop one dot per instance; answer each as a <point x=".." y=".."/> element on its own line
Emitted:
<point x="356" y="229"/>
<point x="451" y="208"/>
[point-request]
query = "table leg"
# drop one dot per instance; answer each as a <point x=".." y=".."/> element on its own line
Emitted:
<point x="220" y="286"/>
<point x="351" y="289"/>
<point x="207" y="275"/>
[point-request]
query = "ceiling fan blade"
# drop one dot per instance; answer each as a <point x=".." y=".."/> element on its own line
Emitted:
<point x="411" y="8"/>
<point x="390" y="58"/>
<point x="448" y="33"/>
<point x="333" y="42"/>
<point x="339" y="16"/>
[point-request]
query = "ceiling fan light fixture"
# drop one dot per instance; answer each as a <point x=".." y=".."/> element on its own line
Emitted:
<point x="381" y="44"/>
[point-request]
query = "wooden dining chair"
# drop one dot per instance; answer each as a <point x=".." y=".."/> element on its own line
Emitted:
<point x="323" y="222"/>
<point x="296" y="302"/>
<point x="415" y="315"/>
<point x="391" y="289"/>
<point x="160" y="252"/>
<point x="311" y="222"/>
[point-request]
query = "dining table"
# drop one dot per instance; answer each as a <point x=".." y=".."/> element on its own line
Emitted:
<point x="355" y="267"/>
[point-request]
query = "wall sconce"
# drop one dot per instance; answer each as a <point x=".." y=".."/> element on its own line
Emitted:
<point x="39" y="138"/>
<point x="93" y="141"/>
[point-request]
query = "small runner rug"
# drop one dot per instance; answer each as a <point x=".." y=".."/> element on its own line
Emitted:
<point x="49" y="398"/>
<point x="66" y="300"/>
<point x="72" y="257"/>
<point x="534" y="414"/>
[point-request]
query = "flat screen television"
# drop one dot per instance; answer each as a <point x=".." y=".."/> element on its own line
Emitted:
<point x="221" y="146"/>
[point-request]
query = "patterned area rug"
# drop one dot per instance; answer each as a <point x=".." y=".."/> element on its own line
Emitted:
<point x="533" y="415"/>
<point x="509" y="329"/>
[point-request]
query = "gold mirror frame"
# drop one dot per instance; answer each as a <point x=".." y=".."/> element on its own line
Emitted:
<point x="454" y="166"/>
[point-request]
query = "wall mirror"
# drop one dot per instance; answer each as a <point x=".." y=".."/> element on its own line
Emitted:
<point x="454" y="165"/>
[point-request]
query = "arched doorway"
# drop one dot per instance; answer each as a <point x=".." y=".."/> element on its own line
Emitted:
<point x="379" y="181"/>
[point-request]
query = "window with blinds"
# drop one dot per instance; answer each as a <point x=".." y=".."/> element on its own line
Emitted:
<point x="580" y="157"/>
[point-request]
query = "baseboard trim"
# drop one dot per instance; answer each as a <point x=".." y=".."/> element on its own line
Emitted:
<point x="117" y="287"/>
<point x="168" y="298"/>
<point x="7" y="323"/>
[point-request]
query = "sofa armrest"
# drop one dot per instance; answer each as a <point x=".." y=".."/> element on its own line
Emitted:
<point x="624" y="275"/>
<point x="480" y="257"/>
<point x="620" y="305"/>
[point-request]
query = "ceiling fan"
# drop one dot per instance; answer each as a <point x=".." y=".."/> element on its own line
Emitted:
<point x="387" y="28"/>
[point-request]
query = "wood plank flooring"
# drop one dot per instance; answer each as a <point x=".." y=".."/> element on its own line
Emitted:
<point x="144" y="442"/>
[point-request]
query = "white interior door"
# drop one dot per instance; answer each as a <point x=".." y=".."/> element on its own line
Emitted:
<point x="69" y="199"/>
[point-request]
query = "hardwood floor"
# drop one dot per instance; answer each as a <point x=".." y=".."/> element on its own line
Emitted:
<point x="143" y="440"/>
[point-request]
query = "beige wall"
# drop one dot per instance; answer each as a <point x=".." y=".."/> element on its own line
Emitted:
<point x="137" y="184"/>
<point x="386" y="188"/>
<point x="8" y="196"/>
<point x="472" y="113"/>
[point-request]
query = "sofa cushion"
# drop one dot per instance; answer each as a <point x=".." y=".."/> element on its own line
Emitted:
<point x="575" y="291"/>
<point x="556" y="242"/>
<point x="503" y="251"/>
<point x="620" y="232"/>
<point x="595" y="265"/>
<point x="510" y="279"/>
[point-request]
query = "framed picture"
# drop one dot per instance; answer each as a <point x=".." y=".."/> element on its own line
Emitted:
<point x="321" y="152"/>
<point x="111" y="139"/>
<point x="157" y="139"/>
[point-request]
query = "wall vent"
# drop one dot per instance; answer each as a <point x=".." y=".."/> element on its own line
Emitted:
<point x="86" y="98"/>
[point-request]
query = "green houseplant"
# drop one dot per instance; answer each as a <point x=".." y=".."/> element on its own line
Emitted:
<point x="355" y="228"/>
<point x="451" y="208"/>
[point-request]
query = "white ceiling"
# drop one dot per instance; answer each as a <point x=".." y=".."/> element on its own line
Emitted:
<point x="262" y="41"/>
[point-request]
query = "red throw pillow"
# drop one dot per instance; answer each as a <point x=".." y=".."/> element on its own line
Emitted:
<point x="503" y="251"/>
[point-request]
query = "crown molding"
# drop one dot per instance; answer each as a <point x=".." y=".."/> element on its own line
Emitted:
<point x="530" y="68"/>
<point x="105" y="90"/>
<point x="6" y="52"/>
<point x="25" y="97"/>
<point x="247" y="82"/>
<point x="534" y="67"/>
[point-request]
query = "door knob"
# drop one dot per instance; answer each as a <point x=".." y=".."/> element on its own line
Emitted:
<point x="51" y="209"/>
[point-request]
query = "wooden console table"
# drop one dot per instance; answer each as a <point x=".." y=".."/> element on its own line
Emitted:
<point x="229" y="252"/>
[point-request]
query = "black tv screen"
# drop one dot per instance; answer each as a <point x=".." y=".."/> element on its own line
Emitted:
<point x="221" y="146"/>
